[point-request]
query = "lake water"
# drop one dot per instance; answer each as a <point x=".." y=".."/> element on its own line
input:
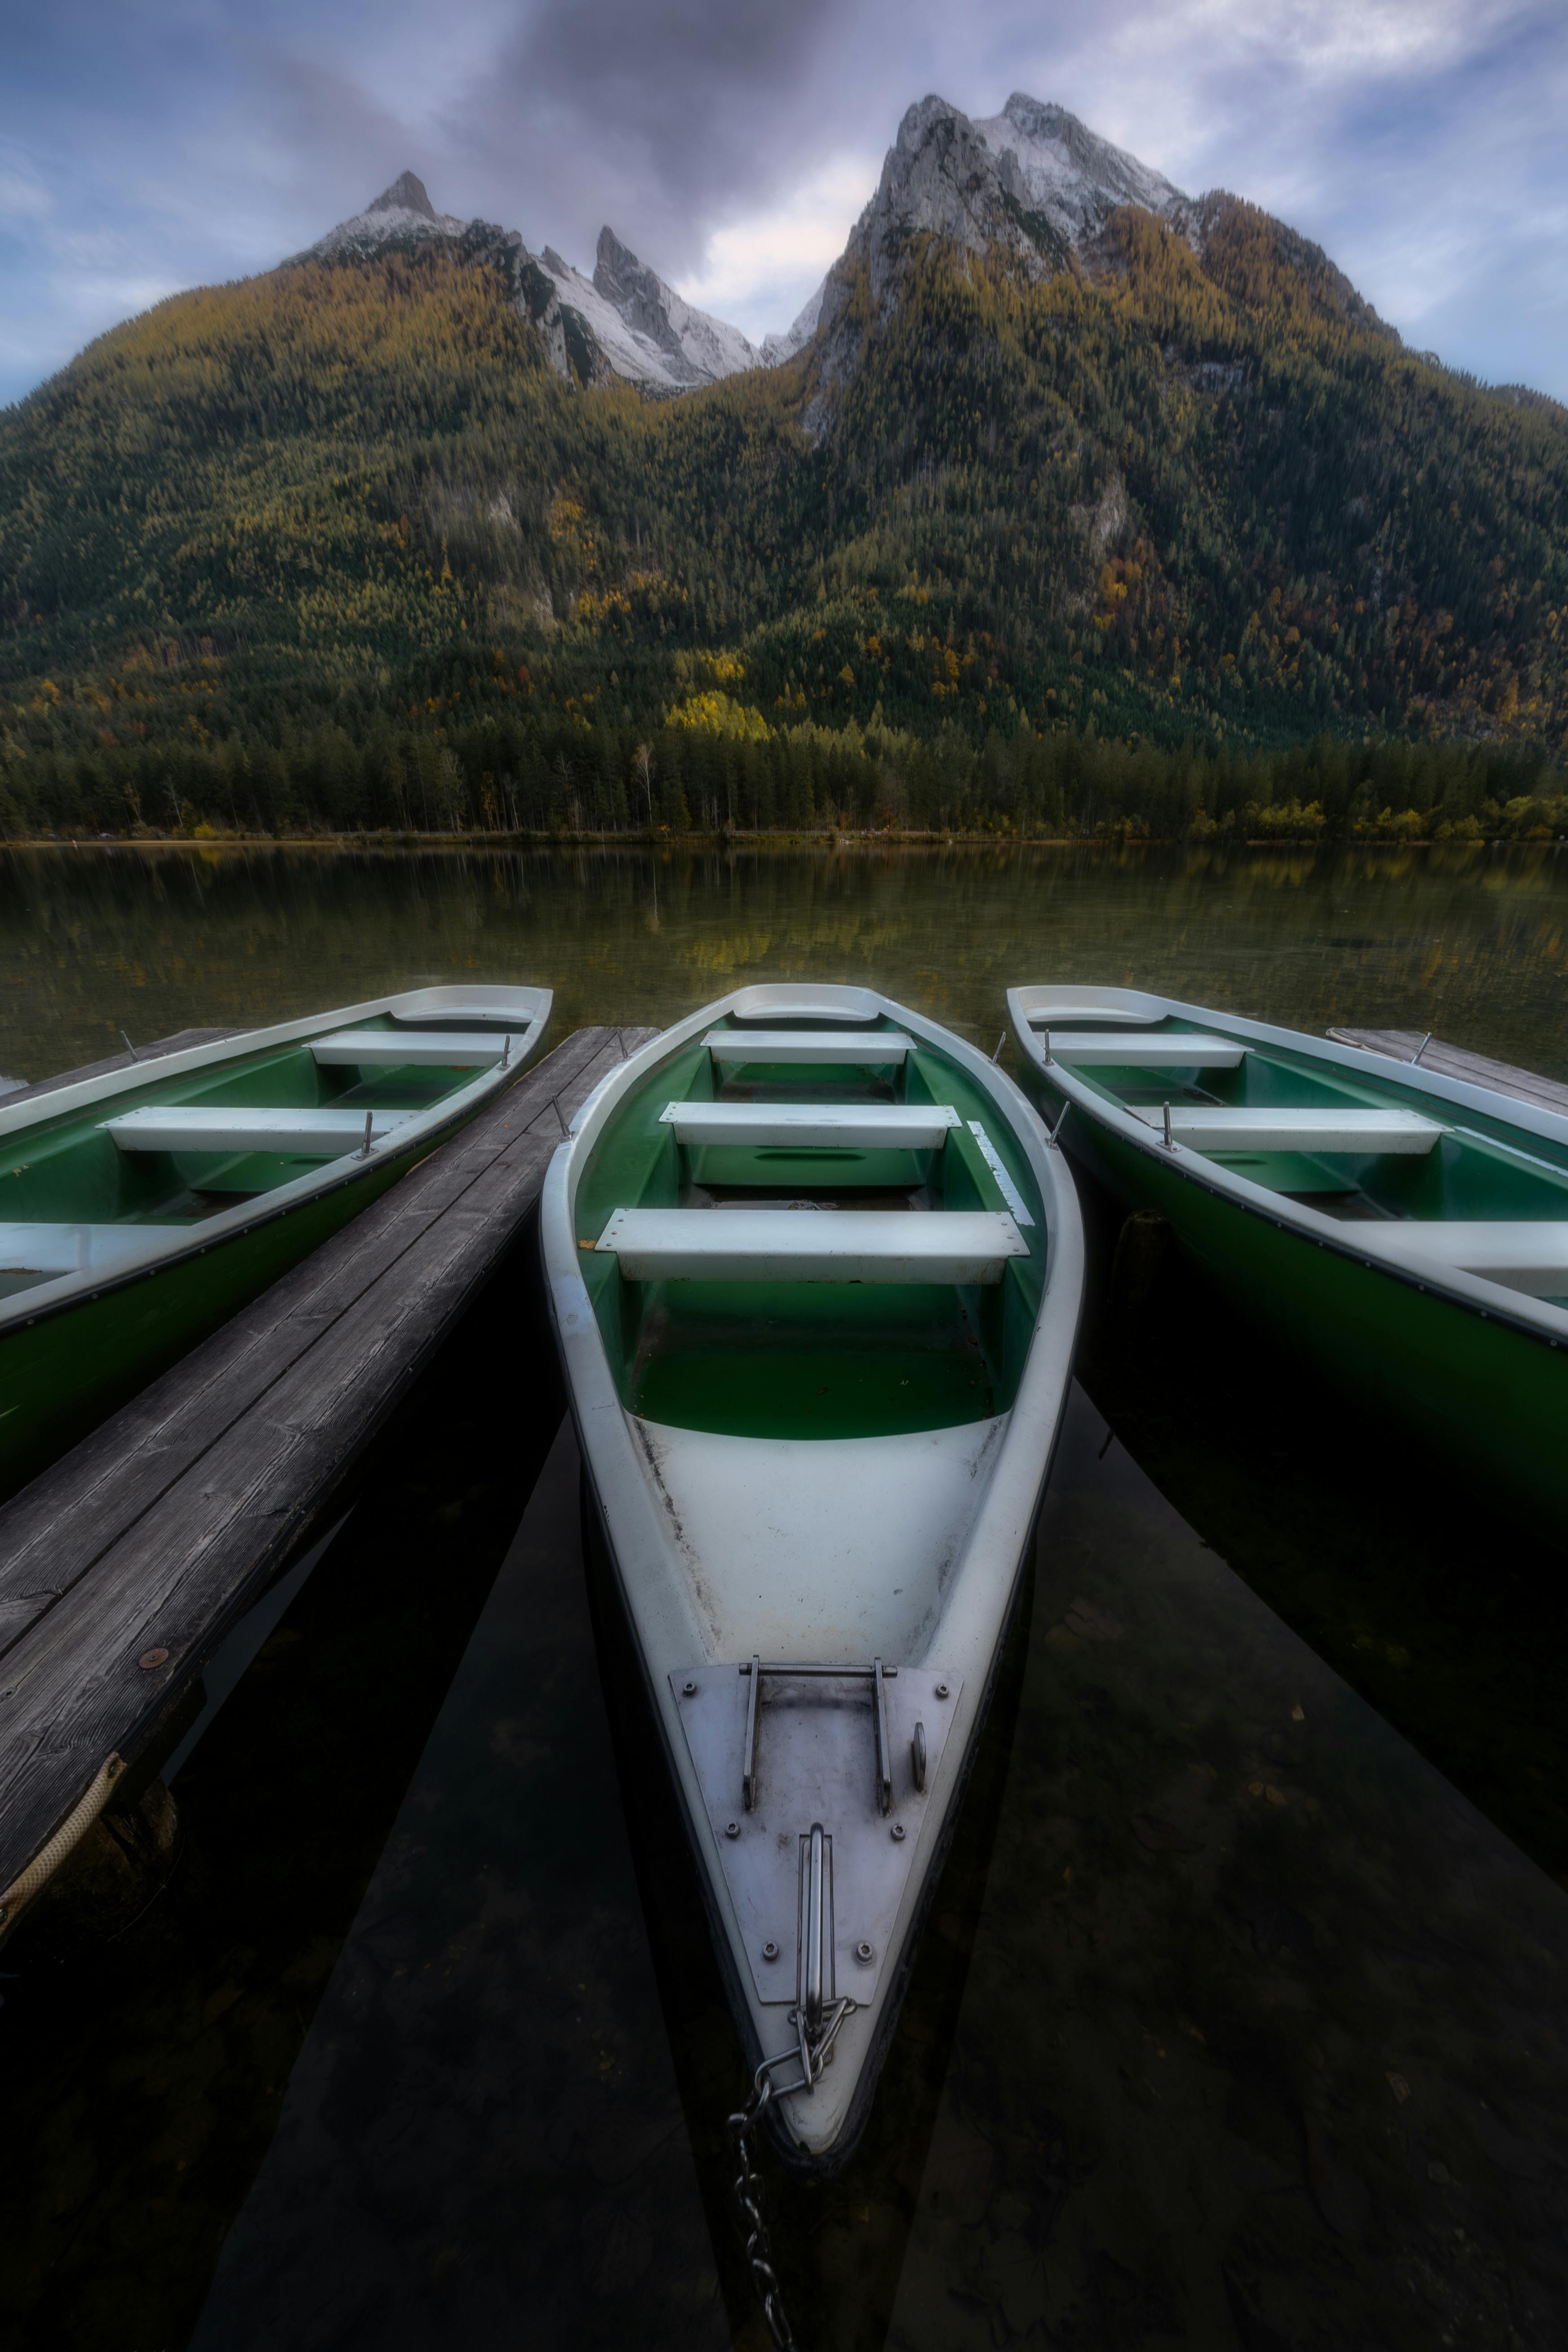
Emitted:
<point x="1241" y="2016"/>
<point x="1473" y="944"/>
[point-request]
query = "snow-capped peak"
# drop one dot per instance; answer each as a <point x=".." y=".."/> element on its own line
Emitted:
<point x="400" y="211"/>
<point x="647" y="330"/>
<point x="1073" y="177"/>
<point x="699" y="347"/>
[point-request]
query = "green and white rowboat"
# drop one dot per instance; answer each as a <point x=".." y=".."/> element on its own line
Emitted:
<point x="816" y="1275"/>
<point x="138" y="1209"/>
<point x="1408" y="1232"/>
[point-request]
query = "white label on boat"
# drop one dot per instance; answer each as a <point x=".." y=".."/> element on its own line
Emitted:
<point x="993" y="1159"/>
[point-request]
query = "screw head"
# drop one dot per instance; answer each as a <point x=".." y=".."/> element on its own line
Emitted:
<point x="897" y="1833"/>
<point x="863" y="1952"/>
<point x="942" y="1690"/>
<point x="770" y="1950"/>
<point x="153" y="1658"/>
<point x="731" y="1829"/>
<point x="689" y="1689"/>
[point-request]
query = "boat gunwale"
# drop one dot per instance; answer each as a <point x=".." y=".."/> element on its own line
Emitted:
<point x="1534" y="1318"/>
<point x="422" y="1131"/>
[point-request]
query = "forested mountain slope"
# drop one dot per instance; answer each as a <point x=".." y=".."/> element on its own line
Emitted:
<point x="1127" y="516"/>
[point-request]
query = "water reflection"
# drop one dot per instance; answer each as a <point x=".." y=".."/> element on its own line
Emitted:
<point x="1472" y="943"/>
<point x="1235" y="2023"/>
<point x="145" y="2075"/>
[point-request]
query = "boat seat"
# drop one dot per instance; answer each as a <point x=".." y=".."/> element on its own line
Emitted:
<point x="1219" y="1127"/>
<point x="808" y="1045"/>
<point x="1046" y="1016"/>
<point x="235" y="1127"/>
<point x="1154" y="1049"/>
<point x="774" y="1000"/>
<point x="943" y="1245"/>
<point x="53" y="1249"/>
<point x="848" y="1127"/>
<point x="1529" y="1255"/>
<point x="374" y="1049"/>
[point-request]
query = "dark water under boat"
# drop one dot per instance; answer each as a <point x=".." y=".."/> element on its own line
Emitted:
<point x="1240" y="2019"/>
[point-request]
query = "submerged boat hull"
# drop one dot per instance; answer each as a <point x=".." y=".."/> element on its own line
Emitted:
<point x="1477" y="1381"/>
<point x="66" y="1362"/>
<point x="818" y="1620"/>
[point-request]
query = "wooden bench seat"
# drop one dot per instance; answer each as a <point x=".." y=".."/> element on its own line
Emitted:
<point x="374" y="1049"/>
<point x="1157" y="1049"/>
<point x="867" y="1046"/>
<point x="320" y="1134"/>
<point x="1219" y="1127"/>
<point x="848" y="1127"/>
<point x="812" y="1244"/>
<point x="1047" y="1016"/>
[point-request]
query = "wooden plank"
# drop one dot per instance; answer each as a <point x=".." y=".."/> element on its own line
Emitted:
<point x="1459" y="1061"/>
<point x="176" y="1044"/>
<point x="162" y="1528"/>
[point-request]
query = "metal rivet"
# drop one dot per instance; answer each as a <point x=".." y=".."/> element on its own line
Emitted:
<point x="898" y="1832"/>
<point x="731" y="1829"/>
<point x="863" y="1952"/>
<point x="770" y="1950"/>
<point x="151" y="1658"/>
<point x="689" y="1689"/>
<point x="942" y="1690"/>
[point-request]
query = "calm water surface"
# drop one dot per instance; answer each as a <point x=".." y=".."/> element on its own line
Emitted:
<point x="1473" y="944"/>
<point x="1241" y="2018"/>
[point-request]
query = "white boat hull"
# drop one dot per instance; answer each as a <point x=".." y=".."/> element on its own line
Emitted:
<point x="732" y="1554"/>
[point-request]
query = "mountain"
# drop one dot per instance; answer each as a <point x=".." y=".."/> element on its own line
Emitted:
<point x="1075" y="501"/>
<point x="623" y="321"/>
<point x="1066" y="177"/>
<point x="400" y="213"/>
<point x="646" y="332"/>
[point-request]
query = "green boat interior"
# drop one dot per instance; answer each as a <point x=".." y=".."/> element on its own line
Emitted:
<point x="1420" y="1175"/>
<point x="810" y="1233"/>
<point x="84" y="1186"/>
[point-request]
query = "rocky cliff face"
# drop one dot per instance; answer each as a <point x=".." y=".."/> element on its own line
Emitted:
<point x="1064" y="175"/>
<point x="697" y="349"/>
<point x="1032" y="184"/>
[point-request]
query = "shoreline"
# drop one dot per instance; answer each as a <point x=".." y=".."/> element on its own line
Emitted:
<point x="825" y="838"/>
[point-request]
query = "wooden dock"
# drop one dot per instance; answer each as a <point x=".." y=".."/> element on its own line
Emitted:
<point x="124" y="1565"/>
<point x="1457" y="1062"/>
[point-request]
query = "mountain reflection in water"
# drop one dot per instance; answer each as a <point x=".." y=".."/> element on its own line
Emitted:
<point x="1472" y="943"/>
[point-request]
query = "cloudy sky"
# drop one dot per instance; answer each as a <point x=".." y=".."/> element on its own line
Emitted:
<point x="147" y="145"/>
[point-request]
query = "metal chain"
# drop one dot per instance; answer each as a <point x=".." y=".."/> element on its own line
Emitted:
<point x="748" y="2190"/>
<point x="811" y="2057"/>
